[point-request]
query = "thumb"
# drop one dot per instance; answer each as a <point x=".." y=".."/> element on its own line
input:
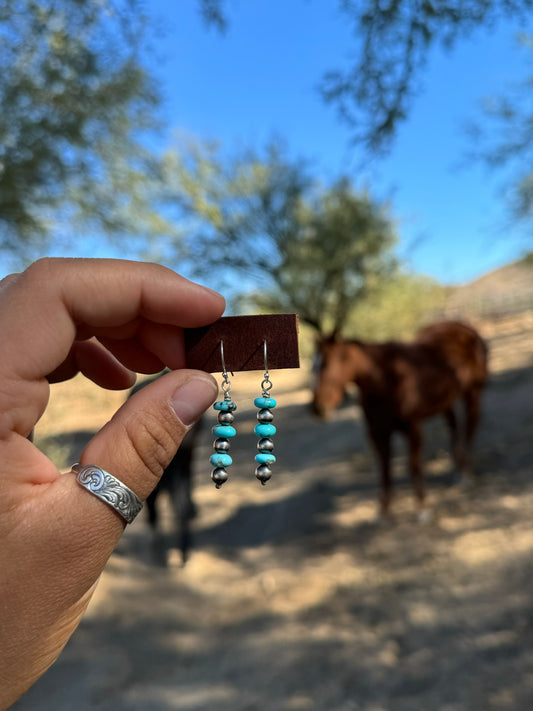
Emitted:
<point x="138" y="443"/>
<point x="136" y="446"/>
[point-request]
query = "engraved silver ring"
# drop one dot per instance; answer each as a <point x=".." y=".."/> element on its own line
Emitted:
<point x="109" y="489"/>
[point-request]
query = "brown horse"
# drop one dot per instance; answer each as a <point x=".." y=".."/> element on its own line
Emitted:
<point x="402" y="384"/>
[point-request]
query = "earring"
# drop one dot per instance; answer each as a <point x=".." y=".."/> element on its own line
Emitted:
<point x="265" y="429"/>
<point x="223" y="431"/>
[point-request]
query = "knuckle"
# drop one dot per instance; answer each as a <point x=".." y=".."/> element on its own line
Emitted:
<point x="153" y="441"/>
<point x="41" y="267"/>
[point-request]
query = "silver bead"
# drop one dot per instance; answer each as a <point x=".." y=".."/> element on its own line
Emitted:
<point x="219" y="475"/>
<point x="265" y="416"/>
<point x="263" y="473"/>
<point x="225" y="418"/>
<point x="221" y="444"/>
<point x="265" y="444"/>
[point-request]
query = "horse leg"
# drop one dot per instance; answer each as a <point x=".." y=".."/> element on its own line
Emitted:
<point x="472" y="399"/>
<point x="414" y="438"/>
<point x="456" y="442"/>
<point x="184" y="510"/>
<point x="382" y="444"/>
<point x="151" y="508"/>
<point x="188" y="512"/>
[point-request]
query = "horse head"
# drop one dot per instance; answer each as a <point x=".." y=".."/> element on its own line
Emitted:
<point x="332" y="372"/>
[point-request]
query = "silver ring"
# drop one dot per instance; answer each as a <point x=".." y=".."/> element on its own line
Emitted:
<point x="108" y="488"/>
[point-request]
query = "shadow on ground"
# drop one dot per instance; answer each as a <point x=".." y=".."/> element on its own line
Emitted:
<point x="297" y="597"/>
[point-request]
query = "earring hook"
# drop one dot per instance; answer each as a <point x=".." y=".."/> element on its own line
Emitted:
<point x="267" y="383"/>
<point x="265" y="355"/>
<point x="222" y="357"/>
<point x="224" y="371"/>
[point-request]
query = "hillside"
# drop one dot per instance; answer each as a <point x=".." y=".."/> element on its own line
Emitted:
<point x="504" y="291"/>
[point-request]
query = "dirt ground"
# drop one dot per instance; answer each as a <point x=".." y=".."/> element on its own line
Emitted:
<point x="296" y="597"/>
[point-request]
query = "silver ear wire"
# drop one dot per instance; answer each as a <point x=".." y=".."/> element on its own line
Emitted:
<point x="224" y="370"/>
<point x="266" y="385"/>
<point x="222" y="356"/>
<point x="226" y="384"/>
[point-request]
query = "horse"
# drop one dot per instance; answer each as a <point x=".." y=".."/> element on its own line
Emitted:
<point x="401" y="385"/>
<point x="177" y="481"/>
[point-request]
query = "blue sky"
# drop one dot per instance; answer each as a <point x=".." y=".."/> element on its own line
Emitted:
<point x="260" y="78"/>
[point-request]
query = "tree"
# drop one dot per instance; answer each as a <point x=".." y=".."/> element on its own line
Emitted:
<point x="392" y="40"/>
<point x="75" y="100"/>
<point x="213" y="14"/>
<point x="340" y="251"/>
<point x="291" y="243"/>
<point x="503" y="138"/>
<point x="397" y="308"/>
<point x="375" y="94"/>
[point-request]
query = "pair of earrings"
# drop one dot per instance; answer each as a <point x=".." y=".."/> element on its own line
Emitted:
<point x="224" y="431"/>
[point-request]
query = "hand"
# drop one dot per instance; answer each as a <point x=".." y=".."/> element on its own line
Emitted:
<point x="107" y="319"/>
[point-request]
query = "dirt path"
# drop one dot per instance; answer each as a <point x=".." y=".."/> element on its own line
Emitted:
<point x="296" y="598"/>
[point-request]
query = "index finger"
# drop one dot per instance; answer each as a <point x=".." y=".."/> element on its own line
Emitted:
<point x="43" y="308"/>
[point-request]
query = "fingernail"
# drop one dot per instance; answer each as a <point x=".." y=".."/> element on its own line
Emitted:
<point x="192" y="399"/>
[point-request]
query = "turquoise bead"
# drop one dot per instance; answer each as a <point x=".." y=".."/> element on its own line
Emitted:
<point x="265" y="402"/>
<point x="225" y="431"/>
<point x="265" y="458"/>
<point x="225" y="406"/>
<point x="263" y="430"/>
<point x="220" y="459"/>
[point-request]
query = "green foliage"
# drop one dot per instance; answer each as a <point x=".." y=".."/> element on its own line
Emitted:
<point x="75" y="98"/>
<point x="213" y="14"/>
<point x="396" y="309"/>
<point x="294" y="245"/>
<point x="241" y="210"/>
<point x="392" y="40"/>
<point x="503" y="138"/>
<point x="374" y="94"/>
<point x="341" y="249"/>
